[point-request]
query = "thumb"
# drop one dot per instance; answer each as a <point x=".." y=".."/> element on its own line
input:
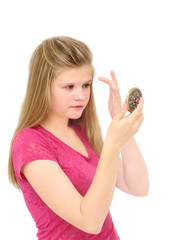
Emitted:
<point x="122" y="112"/>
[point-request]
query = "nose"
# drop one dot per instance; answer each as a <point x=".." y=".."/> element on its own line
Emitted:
<point x="79" y="94"/>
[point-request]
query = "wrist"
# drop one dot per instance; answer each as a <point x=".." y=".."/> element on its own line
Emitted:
<point x="111" y="142"/>
<point x="111" y="146"/>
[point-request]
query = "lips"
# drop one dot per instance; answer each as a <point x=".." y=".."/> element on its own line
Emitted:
<point x="77" y="107"/>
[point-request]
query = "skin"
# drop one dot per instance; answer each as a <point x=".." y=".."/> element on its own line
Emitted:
<point x="128" y="173"/>
<point x="132" y="172"/>
<point x="70" y="94"/>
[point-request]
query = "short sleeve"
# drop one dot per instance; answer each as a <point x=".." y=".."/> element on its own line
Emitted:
<point x="29" y="145"/>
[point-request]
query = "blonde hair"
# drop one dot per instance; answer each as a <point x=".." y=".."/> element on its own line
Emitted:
<point x="51" y="57"/>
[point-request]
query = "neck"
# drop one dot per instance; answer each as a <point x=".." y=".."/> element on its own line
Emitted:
<point x="56" y="125"/>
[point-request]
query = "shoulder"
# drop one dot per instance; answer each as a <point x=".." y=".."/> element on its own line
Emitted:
<point x="30" y="144"/>
<point x="23" y="138"/>
<point x="28" y="135"/>
<point x="33" y="139"/>
<point x="28" y="132"/>
<point x="21" y="135"/>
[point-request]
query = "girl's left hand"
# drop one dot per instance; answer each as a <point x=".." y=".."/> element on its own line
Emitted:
<point x="114" y="103"/>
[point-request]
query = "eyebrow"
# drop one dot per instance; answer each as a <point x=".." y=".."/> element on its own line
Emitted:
<point x="71" y="83"/>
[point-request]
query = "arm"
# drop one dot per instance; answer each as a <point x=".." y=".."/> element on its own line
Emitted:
<point x="55" y="189"/>
<point x="87" y="213"/>
<point x="132" y="175"/>
<point x="132" y="172"/>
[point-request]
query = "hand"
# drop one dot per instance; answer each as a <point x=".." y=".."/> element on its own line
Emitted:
<point x="123" y="128"/>
<point x="114" y="103"/>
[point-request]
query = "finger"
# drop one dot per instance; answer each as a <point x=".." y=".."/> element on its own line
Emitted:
<point x="122" y="112"/>
<point x="139" y="119"/>
<point x="110" y="83"/>
<point x="139" y="122"/>
<point x="106" y="80"/>
<point x="139" y="109"/>
<point x="114" y="79"/>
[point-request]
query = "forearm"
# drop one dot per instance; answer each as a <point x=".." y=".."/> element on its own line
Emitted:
<point x="96" y="203"/>
<point x="134" y="169"/>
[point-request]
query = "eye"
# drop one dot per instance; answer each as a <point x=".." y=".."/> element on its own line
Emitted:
<point x="69" y="87"/>
<point x="86" y="85"/>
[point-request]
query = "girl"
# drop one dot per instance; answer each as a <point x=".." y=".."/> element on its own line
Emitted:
<point x="66" y="173"/>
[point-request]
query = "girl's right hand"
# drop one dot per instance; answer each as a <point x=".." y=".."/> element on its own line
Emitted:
<point x="123" y="128"/>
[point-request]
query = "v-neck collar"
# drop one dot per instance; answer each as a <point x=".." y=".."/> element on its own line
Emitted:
<point x="84" y="141"/>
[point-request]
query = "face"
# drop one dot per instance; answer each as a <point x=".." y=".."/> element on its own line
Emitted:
<point x="70" y="92"/>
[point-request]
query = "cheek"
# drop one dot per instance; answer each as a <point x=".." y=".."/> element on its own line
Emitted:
<point x="88" y="98"/>
<point x="57" y="100"/>
<point x="88" y="95"/>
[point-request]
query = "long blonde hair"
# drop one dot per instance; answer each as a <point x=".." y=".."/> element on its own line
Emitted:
<point x="51" y="57"/>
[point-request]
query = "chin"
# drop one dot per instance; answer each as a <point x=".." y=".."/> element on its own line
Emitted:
<point x="75" y="117"/>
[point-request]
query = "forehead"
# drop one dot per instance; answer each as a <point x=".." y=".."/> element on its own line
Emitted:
<point x="77" y="74"/>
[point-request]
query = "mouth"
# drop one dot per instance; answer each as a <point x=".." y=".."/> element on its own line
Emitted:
<point x="77" y="107"/>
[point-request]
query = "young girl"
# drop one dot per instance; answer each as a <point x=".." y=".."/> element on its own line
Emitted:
<point x="66" y="173"/>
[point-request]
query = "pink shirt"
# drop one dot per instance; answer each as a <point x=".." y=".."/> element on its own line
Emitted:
<point x="37" y="143"/>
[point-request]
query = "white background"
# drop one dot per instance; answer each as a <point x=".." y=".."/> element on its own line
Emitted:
<point x="131" y="37"/>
